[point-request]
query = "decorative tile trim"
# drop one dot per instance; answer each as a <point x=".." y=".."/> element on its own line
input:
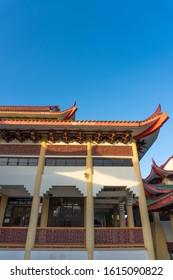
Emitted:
<point x="101" y="150"/>
<point x="60" y="236"/>
<point x="9" y="235"/>
<point x="14" y="149"/>
<point x="116" y="236"/>
<point x="63" y="150"/>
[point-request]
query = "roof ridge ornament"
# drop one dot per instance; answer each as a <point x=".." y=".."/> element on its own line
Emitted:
<point x="157" y="112"/>
<point x="55" y="108"/>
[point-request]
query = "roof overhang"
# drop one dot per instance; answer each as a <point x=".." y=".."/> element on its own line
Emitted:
<point x="37" y="113"/>
<point x="144" y="132"/>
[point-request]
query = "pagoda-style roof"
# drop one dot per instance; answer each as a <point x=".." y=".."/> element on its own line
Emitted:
<point x="37" y="112"/>
<point x="51" y="121"/>
<point x="158" y="173"/>
<point x="161" y="203"/>
<point x="158" y="186"/>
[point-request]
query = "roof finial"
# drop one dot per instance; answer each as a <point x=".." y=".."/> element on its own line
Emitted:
<point x="158" y="111"/>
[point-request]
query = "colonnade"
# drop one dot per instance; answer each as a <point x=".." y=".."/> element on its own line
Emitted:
<point x="89" y="207"/>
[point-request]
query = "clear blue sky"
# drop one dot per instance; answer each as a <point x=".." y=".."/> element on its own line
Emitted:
<point x="114" y="58"/>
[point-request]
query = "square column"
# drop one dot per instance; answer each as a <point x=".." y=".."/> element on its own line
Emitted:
<point x="3" y="205"/>
<point x="44" y="211"/>
<point x="148" y="240"/>
<point x="171" y="219"/>
<point x="161" y="248"/>
<point x="30" y="240"/>
<point x="89" y="202"/>
<point x="129" y="207"/>
<point x="122" y="214"/>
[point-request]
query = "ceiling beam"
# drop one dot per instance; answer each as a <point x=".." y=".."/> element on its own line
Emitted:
<point x="108" y="206"/>
<point x="106" y="201"/>
<point x="112" y="194"/>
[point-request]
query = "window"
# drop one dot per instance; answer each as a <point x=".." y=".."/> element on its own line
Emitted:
<point x="22" y="161"/>
<point x="80" y="161"/>
<point x="65" y="162"/>
<point x="60" y="161"/>
<point x="97" y="162"/>
<point x="33" y="161"/>
<point x="50" y="162"/>
<point x="66" y="212"/>
<point x="112" y="162"/>
<point x="13" y="161"/>
<point x="3" y="161"/>
<point x="70" y="162"/>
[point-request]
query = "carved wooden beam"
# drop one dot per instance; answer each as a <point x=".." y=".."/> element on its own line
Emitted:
<point x="51" y="136"/>
<point x="80" y="138"/>
<point x="98" y="137"/>
<point x="66" y="137"/>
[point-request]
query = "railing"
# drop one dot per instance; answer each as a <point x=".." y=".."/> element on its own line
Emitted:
<point x="72" y="237"/>
<point x="13" y="236"/>
<point x="60" y="237"/>
<point x="119" y="237"/>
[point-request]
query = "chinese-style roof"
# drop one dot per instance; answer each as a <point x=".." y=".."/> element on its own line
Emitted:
<point x="26" y="113"/>
<point x="165" y="170"/>
<point x="46" y="119"/>
<point x="158" y="186"/>
<point x="29" y="108"/>
<point x="168" y="165"/>
<point x="163" y="202"/>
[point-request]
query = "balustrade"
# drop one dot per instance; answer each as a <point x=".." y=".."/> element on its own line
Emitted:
<point x="72" y="237"/>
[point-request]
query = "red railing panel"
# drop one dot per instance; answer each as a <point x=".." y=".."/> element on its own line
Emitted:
<point x="13" y="235"/>
<point x="60" y="236"/>
<point x="118" y="236"/>
<point x="64" y="237"/>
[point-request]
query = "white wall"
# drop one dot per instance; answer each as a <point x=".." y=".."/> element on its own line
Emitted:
<point x="64" y="176"/>
<point x="18" y="175"/>
<point x="12" y="254"/>
<point x="25" y="175"/>
<point x="69" y="176"/>
<point x="55" y="254"/>
<point x="118" y="254"/>
<point x="114" y="176"/>
<point x="59" y="255"/>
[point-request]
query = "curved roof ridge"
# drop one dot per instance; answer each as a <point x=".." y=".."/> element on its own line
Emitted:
<point x="157" y="112"/>
<point x="149" y="176"/>
<point x="155" y="169"/>
<point x="38" y="111"/>
<point x="29" y="108"/>
<point x="162" y="172"/>
<point x="164" y="164"/>
<point x="164" y="189"/>
<point x="160" y="201"/>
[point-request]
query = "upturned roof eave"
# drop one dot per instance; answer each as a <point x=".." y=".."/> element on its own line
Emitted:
<point x="37" y="112"/>
<point x="43" y="120"/>
<point x="157" y="188"/>
<point x="160" y="202"/>
<point x="164" y="164"/>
